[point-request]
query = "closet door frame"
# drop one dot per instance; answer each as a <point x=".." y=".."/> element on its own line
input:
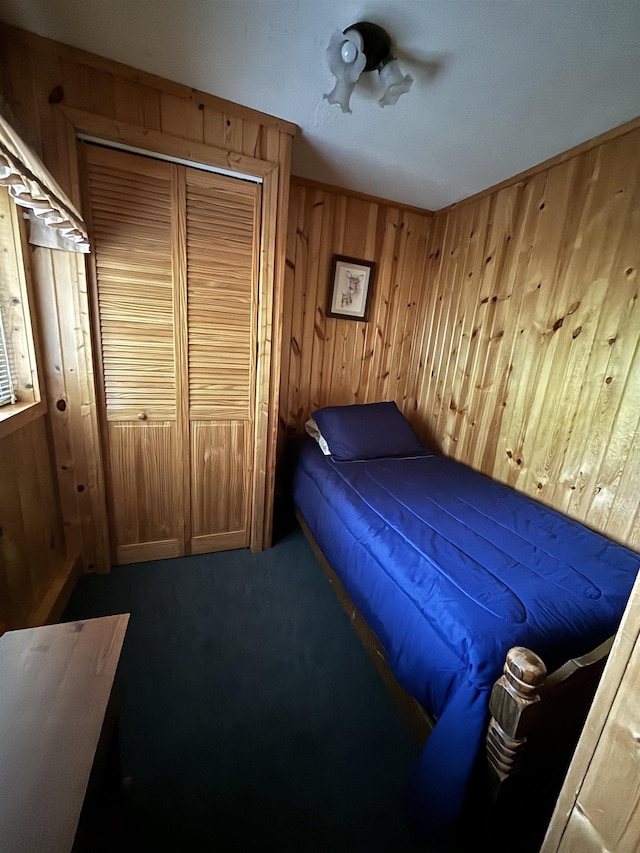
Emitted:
<point x="71" y="125"/>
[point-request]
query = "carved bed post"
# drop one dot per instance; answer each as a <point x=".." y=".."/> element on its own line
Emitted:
<point x="513" y="706"/>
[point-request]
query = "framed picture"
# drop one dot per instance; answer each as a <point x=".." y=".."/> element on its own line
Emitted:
<point x="350" y="288"/>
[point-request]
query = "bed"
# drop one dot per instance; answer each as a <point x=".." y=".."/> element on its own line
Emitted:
<point x="450" y="570"/>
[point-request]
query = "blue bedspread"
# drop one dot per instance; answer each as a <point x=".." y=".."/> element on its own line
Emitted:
<point x="450" y="569"/>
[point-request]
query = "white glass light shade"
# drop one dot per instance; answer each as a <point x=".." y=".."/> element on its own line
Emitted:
<point x="394" y="82"/>
<point x="346" y="62"/>
<point x="348" y="51"/>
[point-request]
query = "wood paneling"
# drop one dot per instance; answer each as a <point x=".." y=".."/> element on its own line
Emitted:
<point x="39" y="78"/>
<point x="530" y="365"/>
<point x="32" y="553"/>
<point x="598" y="807"/>
<point x="326" y="360"/>
<point x="69" y="382"/>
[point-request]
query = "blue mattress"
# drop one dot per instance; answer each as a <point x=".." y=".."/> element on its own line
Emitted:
<point x="450" y="569"/>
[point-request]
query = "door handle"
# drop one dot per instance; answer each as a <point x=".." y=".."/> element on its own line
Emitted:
<point x="142" y="416"/>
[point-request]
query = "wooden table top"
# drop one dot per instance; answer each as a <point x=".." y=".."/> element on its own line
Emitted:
<point x="55" y="683"/>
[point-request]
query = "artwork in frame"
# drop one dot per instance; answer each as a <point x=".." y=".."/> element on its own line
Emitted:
<point x="350" y="288"/>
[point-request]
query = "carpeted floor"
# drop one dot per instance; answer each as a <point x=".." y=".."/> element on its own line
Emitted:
<point x="251" y="718"/>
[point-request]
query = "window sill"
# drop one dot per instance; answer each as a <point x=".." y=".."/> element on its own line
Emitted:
<point x="17" y="415"/>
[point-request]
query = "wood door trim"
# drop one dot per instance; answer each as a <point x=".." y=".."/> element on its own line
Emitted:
<point x="92" y="435"/>
<point x="181" y="343"/>
<point x="70" y="123"/>
<point x="279" y="149"/>
<point x="156" y="141"/>
<point x="261" y="499"/>
<point x="82" y="182"/>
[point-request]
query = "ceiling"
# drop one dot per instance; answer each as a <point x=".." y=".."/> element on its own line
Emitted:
<point x="499" y="85"/>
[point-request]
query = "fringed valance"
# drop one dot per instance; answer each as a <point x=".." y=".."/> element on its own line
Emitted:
<point x="55" y="222"/>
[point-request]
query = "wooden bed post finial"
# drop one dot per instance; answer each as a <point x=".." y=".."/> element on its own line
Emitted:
<point x="512" y="705"/>
<point x="524" y="670"/>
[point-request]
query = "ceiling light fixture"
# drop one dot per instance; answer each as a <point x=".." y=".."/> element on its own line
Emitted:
<point x="364" y="47"/>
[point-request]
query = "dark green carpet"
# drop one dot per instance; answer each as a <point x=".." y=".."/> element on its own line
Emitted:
<point x="251" y="718"/>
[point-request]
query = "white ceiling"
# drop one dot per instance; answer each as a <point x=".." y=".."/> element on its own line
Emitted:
<point x="499" y="85"/>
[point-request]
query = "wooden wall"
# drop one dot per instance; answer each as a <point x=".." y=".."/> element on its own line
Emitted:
<point x="39" y="78"/>
<point x="530" y="323"/>
<point x="334" y="361"/>
<point x="32" y="554"/>
<point x="598" y="809"/>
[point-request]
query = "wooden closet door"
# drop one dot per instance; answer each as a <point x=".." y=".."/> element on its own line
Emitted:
<point x="135" y="212"/>
<point x="222" y="228"/>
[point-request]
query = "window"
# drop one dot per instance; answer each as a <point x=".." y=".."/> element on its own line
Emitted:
<point x="19" y="388"/>
<point x="56" y="224"/>
<point x="6" y="383"/>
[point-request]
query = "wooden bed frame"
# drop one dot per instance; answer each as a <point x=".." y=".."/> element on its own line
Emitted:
<point x="535" y="718"/>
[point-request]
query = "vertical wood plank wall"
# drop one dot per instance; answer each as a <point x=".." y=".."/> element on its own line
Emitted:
<point x="599" y="805"/>
<point x="326" y="360"/>
<point x="36" y="74"/>
<point x="530" y="361"/>
<point x="32" y="554"/>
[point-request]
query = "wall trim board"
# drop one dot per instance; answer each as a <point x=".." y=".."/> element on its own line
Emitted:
<point x="268" y="330"/>
<point x="33" y="41"/>
<point x="556" y="160"/>
<point x="382" y="202"/>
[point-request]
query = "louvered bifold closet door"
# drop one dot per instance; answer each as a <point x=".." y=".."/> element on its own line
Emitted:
<point x="135" y="212"/>
<point x="222" y="260"/>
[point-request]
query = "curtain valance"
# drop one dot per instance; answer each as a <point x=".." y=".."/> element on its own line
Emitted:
<point x="55" y="222"/>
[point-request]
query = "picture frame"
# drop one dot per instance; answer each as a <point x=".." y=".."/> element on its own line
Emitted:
<point x="350" y="288"/>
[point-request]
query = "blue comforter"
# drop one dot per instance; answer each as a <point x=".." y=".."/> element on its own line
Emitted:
<point x="450" y="569"/>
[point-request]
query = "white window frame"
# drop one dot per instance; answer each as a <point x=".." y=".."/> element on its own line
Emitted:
<point x="18" y="339"/>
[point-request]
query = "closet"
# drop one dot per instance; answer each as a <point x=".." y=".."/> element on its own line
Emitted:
<point x="175" y="311"/>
